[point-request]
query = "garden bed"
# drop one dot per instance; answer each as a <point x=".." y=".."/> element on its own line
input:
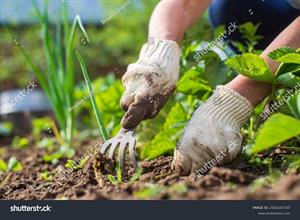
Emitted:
<point x="157" y="181"/>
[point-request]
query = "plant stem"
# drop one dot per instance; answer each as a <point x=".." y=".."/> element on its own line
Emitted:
<point x="92" y="97"/>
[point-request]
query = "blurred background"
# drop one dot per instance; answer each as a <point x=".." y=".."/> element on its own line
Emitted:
<point x="117" y="29"/>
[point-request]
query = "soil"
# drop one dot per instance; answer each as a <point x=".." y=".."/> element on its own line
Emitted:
<point x="157" y="180"/>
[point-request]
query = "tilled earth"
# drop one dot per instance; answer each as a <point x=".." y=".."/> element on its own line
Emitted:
<point x="157" y="181"/>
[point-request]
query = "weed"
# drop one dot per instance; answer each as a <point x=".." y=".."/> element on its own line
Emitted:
<point x="6" y="128"/>
<point x="77" y="165"/>
<point x="265" y="180"/>
<point x="45" y="175"/>
<point x="118" y="179"/>
<point x="12" y="165"/>
<point x="20" y="142"/>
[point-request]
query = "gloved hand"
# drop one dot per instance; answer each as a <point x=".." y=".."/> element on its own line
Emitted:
<point x="150" y="81"/>
<point x="212" y="136"/>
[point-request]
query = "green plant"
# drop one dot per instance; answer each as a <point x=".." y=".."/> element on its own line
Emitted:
<point x="76" y="165"/>
<point x="149" y="192"/>
<point x="40" y="126"/>
<point x="12" y="165"/>
<point x="265" y="180"/>
<point x="101" y="125"/>
<point x="6" y="128"/>
<point x="249" y="34"/>
<point x="118" y="179"/>
<point x="62" y="152"/>
<point x="45" y="175"/>
<point x="165" y="140"/>
<point x="58" y="81"/>
<point x="136" y="175"/>
<point x="154" y="190"/>
<point x="20" y="142"/>
<point x="285" y="78"/>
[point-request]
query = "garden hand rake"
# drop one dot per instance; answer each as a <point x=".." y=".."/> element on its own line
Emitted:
<point x="124" y="138"/>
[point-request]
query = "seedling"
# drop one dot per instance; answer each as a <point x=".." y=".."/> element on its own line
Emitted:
<point x="46" y="175"/>
<point x="63" y="151"/>
<point x="116" y="181"/>
<point x="12" y="165"/>
<point x="20" y="142"/>
<point x="77" y="165"/>
<point x="136" y="175"/>
<point x="6" y="128"/>
<point x="265" y="180"/>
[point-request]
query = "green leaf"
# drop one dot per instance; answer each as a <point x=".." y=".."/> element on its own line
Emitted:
<point x="63" y="151"/>
<point x="294" y="104"/>
<point x="150" y="192"/>
<point x="290" y="58"/>
<point x="277" y="129"/>
<point x="112" y="179"/>
<point x="288" y="79"/>
<point x="3" y="165"/>
<point x="119" y="172"/>
<point x="46" y="175"/>
<point x="298" y="102"/>
<point x="166" y="139"/>
<point x="6" y="128"/>
<point x="136" y="175"/>
<point x="215" y="69"/>
<point x="249" y="32"/>
<point x="20" y="143"/>
<point x="252" y="66"/>
<point x="287" y="68"/>
<point x="102" y="129"/>
<point x="14" y="165"/>
<point x="280" y="52"/>
<point x="192" y="83"/>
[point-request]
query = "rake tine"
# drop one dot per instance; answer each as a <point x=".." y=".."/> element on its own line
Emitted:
<point x="122" y="154"/>
<point x="132" y="152"/>
<point x="105" y="146"/>
<point x="112" y="149"/>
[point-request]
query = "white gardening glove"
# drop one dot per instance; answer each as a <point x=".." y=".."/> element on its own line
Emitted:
<point x="150" y="81"/>
<point x="212" y="136"/>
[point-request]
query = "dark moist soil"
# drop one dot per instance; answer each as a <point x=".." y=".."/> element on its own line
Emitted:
<point x="157" y="181"/>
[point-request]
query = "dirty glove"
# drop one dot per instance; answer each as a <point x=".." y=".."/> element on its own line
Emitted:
<point x="150" y="81"/>
<point x="212" y="136"/>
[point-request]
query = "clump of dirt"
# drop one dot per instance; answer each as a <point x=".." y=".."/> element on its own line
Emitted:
<point x="156" y="181"/>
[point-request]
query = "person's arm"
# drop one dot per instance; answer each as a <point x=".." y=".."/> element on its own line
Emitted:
<point x="256" y="91"/>
<point x="289" y="37"/>
<point x="151" y="80"/>
<point x="171" y="18"/>
<point x="213" y="132"/>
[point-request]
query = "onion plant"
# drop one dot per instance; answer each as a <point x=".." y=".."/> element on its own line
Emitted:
<point x="98" y="115"/>
<point x="58" y="80"/>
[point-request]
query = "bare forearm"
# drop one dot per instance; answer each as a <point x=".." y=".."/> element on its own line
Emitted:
<point x="256" y="91"/>
<point x="171" y="18"/>
<point x="289" y="37"/>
